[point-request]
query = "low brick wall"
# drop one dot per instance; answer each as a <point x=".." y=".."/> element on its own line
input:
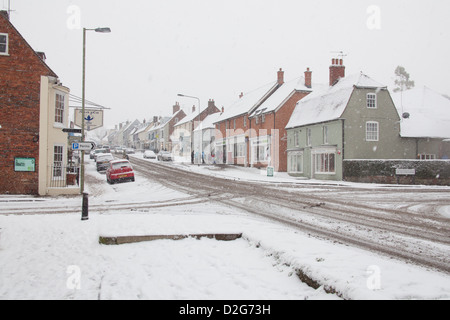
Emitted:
<point x="434" y="172"/>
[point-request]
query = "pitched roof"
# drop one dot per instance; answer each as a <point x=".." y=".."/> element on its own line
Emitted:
<point x="249" y="101"/>
<point x="209" y="121"/>
<point x="281" y="95"/>
<point x="330" y="102"/>
<point x="4" y="15"/>
<point x="429" y="113"/>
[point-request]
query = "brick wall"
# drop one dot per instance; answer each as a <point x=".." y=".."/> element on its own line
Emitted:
<point x="20" y="76"/>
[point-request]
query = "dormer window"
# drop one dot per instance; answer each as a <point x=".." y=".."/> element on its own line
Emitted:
<point x="4" y="44"/>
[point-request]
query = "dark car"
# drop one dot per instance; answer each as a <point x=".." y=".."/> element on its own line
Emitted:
<point x="103" y="160"/>
<point x="119" y="170"/>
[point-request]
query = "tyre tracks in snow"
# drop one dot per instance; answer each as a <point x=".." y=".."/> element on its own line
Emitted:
<point x="420" y="238"/>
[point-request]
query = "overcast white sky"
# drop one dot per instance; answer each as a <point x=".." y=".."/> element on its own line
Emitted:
<point x="218" y="48"/>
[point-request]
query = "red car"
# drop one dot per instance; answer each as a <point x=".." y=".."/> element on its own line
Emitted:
<point x="119" y="170"/>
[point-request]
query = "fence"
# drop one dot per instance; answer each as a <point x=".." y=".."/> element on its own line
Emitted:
<point x="63" y="176"/>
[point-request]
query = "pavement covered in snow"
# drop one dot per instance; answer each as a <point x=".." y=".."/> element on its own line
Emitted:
<point x="58" y="256"/>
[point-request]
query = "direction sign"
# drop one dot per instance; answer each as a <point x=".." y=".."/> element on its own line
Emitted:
<point x="83" y="146"/>
<point x="72" y="130"/>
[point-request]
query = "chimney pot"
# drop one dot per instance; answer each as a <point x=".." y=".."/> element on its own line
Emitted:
<point x="308" y="78"/>
<point x="5" y="14"/>
<point x="281" y="76"/>
<point x="337" y="71"/>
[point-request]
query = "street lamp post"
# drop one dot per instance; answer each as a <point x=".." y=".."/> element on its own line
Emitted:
<point x="83" y="137"/>
<point x="200" y="126"/>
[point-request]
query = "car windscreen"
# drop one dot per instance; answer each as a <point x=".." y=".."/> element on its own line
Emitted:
<point x="120" y="165"/>
<point x="105" y="158"/>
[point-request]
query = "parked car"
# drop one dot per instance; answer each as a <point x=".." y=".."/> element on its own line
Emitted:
<point x="92" y="154"/>
<point x="100" y="151"/>
<point x="164" y="156"/>
<point x="130" y="151"/>
<point x="103" y="160"/>
<point x="149" y="154"/>
<point x="119" y="170"/>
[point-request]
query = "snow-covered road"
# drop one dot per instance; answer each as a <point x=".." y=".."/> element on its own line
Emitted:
<point x="49" y="255"/>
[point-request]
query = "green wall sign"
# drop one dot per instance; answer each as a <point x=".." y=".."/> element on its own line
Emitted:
<point x="25" y="164"/>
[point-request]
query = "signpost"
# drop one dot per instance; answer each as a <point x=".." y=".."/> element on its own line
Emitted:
<point x="72" y="130"/>
<point x="83" y="146"/>
<point x="93" y="118"/>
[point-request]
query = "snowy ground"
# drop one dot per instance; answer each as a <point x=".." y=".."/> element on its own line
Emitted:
<point x="57" y="256"/>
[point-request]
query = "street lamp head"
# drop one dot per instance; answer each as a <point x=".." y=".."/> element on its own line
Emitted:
<point x="181" y="95"/>
<point x="103" y="30"/>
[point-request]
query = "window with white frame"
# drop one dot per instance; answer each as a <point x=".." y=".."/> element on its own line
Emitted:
<point x="59" y="108"/>
<point x="295" y="162"/>
<point x="4" y="44"/>
<point x="263" y="153"/>
<point x="58" y="157"/>
<point x="424" y="156"/>
<point x="296" y="139"/>
<point x="325" y="135"/>
<point x="308" y="137"/>
<point x="263" y="118"/>
<point x="371" y="101"/>
<point x="372" y="131"/>
<point x="245" y="121"/>
<point x="241" y="150"/>
<point x="325" y="162"/>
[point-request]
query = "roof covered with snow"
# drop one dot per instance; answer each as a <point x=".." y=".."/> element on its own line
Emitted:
<point x="429" y="113"/>
<point x="209" y="121"/>
<point x="329" y="103"/>
<point x="247" y="102"/>
<point x="281" y="94"/>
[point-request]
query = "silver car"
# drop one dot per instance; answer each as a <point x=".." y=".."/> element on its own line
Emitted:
<point x="165" y="156"/>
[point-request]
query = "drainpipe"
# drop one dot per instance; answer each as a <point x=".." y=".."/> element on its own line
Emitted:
<point x="343" y="149"/>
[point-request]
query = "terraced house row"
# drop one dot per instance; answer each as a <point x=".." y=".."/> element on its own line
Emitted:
<point x="322" y="131"/>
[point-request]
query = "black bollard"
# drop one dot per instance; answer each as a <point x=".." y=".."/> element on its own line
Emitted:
<point x="85" y="209"/>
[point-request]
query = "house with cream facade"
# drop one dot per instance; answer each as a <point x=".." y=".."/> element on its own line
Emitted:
<point x="57" y="175"/>
<point x="34" y="109"/>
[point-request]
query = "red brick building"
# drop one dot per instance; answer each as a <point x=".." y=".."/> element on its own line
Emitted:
<point x="21" y="69"/>
<point x="252" y="131"/>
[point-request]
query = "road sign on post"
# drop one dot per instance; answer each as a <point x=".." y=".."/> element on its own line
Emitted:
<point x="72" y="130"/>
<point x="83" y="146"/>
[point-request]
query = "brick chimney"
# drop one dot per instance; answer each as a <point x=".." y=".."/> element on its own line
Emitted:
<point x="280" y="76"/>
<point x="241" y="95"/>
<point x="193" y="108"/>
<point x="41" y="55"/>
<point x="211" y="104"/>
<point x="176" y="107"/>
<point x="308" y="78"/>
<point x="337" y="71"/>
<point x="155" y="119"/>
<point x="5" y="14"/>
